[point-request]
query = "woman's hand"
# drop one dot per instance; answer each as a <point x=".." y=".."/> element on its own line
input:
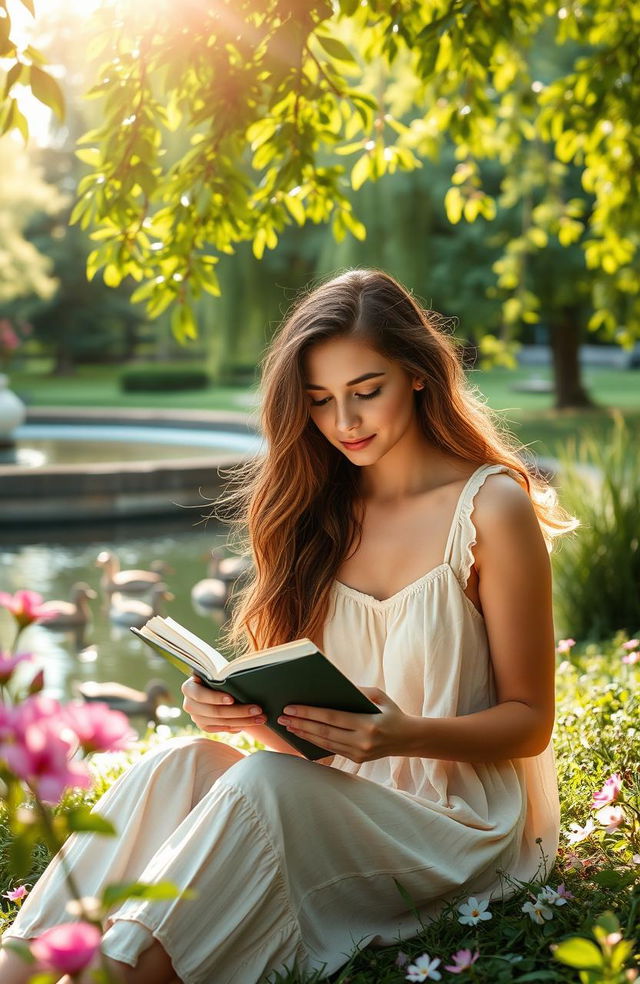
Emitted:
<point x="212" y="710"/>
<point x="358" y="737"/>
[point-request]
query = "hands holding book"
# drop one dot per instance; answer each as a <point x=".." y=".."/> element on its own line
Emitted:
<point x="357" y="737"/>
<point x="292" y="691"/>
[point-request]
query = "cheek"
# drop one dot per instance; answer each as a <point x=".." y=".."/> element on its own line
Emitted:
<point x="321" y="421"/>
<point x="399" y="410"/>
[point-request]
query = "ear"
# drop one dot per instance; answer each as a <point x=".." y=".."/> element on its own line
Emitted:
<point x="418" y="384"/>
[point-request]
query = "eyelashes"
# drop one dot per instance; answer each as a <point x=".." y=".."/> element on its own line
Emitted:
<point x="368" y="396"/>
<point x="358" y="396"/>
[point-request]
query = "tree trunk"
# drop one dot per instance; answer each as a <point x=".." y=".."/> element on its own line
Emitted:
<point x="64" y="364"/>
<point x="565" y="353"/>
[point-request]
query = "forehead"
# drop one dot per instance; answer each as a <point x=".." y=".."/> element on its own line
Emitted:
<point x="337" y="360"/>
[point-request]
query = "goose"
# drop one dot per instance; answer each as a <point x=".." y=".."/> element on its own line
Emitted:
<point x="215" y="590"/>
<point x="72" y="614"/>
<point x="133" y="703"/>
<point x="130" y="581"/>
<point x="132" y="611"/>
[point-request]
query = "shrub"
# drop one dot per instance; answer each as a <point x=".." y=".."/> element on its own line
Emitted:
<point x="597" y="569"/>
<point x="150" y="379"/>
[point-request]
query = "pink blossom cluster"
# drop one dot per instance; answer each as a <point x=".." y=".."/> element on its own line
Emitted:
<point x="632" y="651"/>
<point x="39" y="737"/>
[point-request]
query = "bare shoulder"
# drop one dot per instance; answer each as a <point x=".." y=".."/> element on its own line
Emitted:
<point x="505" y="519"/>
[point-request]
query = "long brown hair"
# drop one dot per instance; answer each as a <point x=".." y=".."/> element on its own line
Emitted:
<point x="297" y="503"/>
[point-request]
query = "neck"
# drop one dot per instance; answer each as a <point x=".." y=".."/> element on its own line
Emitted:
<point x="409" y="469"/>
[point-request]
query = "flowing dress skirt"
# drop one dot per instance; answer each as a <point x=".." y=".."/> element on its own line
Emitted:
<point x="291" y="862"/>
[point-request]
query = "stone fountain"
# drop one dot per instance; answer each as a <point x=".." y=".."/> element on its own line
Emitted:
<point x="176" y="460"/>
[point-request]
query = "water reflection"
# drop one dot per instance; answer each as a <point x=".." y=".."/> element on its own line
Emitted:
<point x="103" y="651"/>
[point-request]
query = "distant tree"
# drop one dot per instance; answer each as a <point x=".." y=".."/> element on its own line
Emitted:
<point x="77" y="320"/>
<point x="23" y="191"/>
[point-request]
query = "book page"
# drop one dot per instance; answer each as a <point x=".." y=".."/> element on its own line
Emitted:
<point x="188" y="642"/>
<point x="267" y="657"/>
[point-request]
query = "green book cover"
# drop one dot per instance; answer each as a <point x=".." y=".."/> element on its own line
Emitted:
<point x="309" y="678"/>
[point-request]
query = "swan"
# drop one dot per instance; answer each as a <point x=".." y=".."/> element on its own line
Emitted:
<point x="132" y="611"/>
<point x="133" y="703"/>
<point x="130" y="581"/>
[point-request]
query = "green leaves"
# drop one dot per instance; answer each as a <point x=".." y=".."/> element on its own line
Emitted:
<point x="600" y="964"/>
<point x="161" y="891"/>
<point x="579" y="953"/>
<point x="46" y="89"/>
<point x="271" y="112"/>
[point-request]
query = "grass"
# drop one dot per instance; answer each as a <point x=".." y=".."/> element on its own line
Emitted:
<point x="530" y="416"/>
<point x="596" y="735"/>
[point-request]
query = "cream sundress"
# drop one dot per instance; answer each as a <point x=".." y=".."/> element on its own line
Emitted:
<point x="294" y="861"/>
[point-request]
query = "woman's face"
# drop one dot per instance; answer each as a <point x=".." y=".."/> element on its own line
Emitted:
<point x="362" y="402"/>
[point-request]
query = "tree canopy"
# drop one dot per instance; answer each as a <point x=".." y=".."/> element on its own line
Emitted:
<point x="287" y="106"/>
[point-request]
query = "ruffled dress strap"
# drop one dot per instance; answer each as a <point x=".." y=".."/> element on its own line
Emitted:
<point x="462" y="535"/>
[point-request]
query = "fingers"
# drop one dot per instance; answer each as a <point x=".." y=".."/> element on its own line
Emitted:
<point x="213" y="710"/>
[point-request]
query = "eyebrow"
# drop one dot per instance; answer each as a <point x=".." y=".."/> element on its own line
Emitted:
<point x="352" y="382"/>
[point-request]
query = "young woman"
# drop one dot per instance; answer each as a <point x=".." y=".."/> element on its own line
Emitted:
<point x="395" y="525"/>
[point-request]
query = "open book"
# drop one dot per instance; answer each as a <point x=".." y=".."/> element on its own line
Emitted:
<point x="294" y="673"/>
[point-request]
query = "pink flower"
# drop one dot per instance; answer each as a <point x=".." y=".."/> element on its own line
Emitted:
<point x="462" y="960"/>
<point x="16" y="894"/>
<point x="99" y="729"/>
<point x="631" y="658"/>
<point x="609" y="792"/>
<point x="402" y="959"/>
<point x="8" y="664"/>
<point x="563" y="892"/>
<point x="36" y="744"/>
<point x="24" y="606"/>
<point x="565" y="645"/>
<point x="610" y="817"/>
<point x="67" y="948"/>
<point x="632" y="644"/>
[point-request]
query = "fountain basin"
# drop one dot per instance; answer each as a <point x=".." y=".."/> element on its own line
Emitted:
<point x="195" y="447"/>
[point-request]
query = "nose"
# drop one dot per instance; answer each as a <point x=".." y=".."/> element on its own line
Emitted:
<point x="347" y="417"/>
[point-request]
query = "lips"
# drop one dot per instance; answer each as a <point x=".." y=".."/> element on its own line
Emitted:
<point x="357" y="445"/>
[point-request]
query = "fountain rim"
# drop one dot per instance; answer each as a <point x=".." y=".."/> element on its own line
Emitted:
<point x="84" y="493"/>
<point x="229" y="421"/>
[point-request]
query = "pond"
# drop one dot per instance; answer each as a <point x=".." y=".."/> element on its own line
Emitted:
<point x="109" y="652"/>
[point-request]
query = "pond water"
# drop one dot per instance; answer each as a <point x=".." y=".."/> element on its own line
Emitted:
<point x="109" y="652"/>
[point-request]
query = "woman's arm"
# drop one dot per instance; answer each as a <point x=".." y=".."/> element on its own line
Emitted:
<point x="515" y="593"/>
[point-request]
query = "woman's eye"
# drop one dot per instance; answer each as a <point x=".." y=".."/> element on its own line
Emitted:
<point x="368" y="396"/>
<point x="320" y="403"/>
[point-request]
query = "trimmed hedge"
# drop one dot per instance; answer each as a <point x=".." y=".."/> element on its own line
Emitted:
<point x="150" y="379"/>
